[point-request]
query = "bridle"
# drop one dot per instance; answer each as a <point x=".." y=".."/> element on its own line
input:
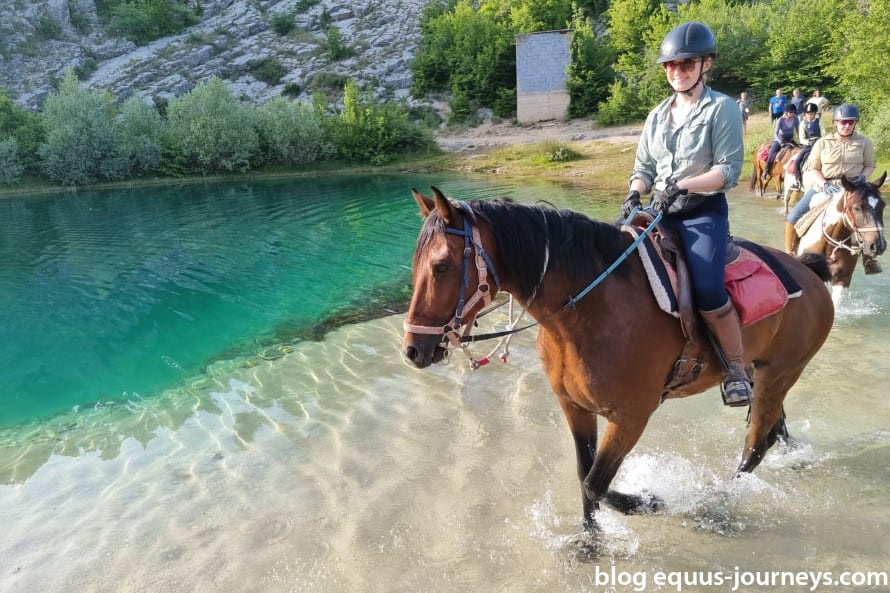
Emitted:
<point x="452" y="330"/>
<point x="849" y="223"/>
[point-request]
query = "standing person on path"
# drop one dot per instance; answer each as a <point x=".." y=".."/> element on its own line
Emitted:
<point x="819" y="101"/>
<point x="745" y="110"/>
<point x="797" y="100"/>
<point x="690" y="152"/>
<point x="777" y="105"/>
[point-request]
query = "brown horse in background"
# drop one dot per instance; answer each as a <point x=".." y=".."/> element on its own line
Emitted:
<point x="776" y="172"/>
<point x="850" y="225"/>
<point x="607" y="352"/>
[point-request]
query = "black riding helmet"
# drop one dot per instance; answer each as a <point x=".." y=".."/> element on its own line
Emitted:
<point x="811" y="108"/>
<point x="789" y="107"/>
<point x="687" y="40"/>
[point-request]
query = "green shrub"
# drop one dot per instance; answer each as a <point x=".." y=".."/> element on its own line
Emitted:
<point x="334" y="43"/>
<point x="292" y="133"/>
<point x="267" y="69"/>
<point x="82" y="143"/>
<point x="25" y="127"/>
<point x="142" y="130"/>
<point x="210" y="131"/>
<point x="368" y="131"/>
<point x="291" y="89"/>
<point x="328" y="84"/>
<point x="11" y="167"/>
<point x="283" y="23"/>
<point x="143" y="21"/>
<point x="877" y="127"/>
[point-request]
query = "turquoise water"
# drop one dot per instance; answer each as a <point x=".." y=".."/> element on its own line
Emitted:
<point x="117" y="294"/>
<point x="114" y="296"/>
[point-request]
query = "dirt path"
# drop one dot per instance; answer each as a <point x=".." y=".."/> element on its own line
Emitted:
<point x="493" y="135"/>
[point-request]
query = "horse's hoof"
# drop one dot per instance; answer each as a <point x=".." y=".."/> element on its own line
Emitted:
<point x="586" y="547"/>
<point x="634" y="504"/>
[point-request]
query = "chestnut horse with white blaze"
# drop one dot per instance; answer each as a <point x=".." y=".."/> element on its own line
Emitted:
<point x="607" y="351"/>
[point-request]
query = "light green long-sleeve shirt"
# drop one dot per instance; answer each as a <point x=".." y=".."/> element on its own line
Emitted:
<point x="710" y="138"/>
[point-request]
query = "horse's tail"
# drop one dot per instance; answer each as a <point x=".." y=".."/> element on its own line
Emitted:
<point x="754" y="173"/>
<point x="817" y="263"/>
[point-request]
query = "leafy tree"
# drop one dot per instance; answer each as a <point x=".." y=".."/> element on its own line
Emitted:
<point x="467" y="53"/>
<point x="11" y="167"/>
<point x="590" y="71"/>
<point x="797" y="43"/>
<point x="210" y="130"/>
<point x="527" y="16"/>
<point x="861" y="49"/>
<point x="23" y="126"/>
<point x="629" y="20"/>
<point x="142" y="131"/>
<point x="292" y="133"/>
<point x="82" y="143"/>
<point x="368" y="131"/>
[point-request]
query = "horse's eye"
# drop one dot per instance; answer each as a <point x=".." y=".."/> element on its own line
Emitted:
<point x="439" y="269"/>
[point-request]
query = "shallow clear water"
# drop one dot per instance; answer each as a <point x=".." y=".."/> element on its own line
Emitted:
<point x="334" y="466"/>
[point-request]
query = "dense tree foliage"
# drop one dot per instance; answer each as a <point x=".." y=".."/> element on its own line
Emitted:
<point x="212" y="130"/>
<point x="841" y="48"/>
<point x="82" y="144"/>
<point x="84" y="137"/>
<point x="368" y="131"/>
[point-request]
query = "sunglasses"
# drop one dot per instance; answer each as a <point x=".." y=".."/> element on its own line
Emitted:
<point x="684" y="66"/>
<point x="846" y="122"/>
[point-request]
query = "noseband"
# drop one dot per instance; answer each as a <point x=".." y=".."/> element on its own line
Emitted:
<point x="849" y="223"/>
<point x="472" y="242"/>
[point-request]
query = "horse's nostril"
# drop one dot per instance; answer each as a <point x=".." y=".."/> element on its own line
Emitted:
<point x="411" y="353"/>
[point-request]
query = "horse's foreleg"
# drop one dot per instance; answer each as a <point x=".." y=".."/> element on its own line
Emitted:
<point x="582" y="424"/>
<point x="619" y="438"/>
<point x="767" y="423"/>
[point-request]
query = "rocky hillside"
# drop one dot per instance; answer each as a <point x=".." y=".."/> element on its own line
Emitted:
<point x="231" y="35"/>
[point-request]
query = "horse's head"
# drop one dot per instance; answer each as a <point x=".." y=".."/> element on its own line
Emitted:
<point x="863" y="212"/>
<point x="451" y="276"/>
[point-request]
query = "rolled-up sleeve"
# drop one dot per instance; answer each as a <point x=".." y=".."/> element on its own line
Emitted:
<point x="728" y="146"/>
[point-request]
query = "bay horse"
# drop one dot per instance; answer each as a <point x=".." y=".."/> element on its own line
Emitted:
<point x="777" y="172"/>
<point x="851" y="224"/>
<point x="609" y="353"/>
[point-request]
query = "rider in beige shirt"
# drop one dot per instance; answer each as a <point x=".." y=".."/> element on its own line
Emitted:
<point x="842" y="153"/>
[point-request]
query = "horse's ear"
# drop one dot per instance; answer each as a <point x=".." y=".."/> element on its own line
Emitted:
<point x="880" y="180"/>
<point x="426" y="204"/>
<point x="447" y="211"/>
<point x="847" y="184"/>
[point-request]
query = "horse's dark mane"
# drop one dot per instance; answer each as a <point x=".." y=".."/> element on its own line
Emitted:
<point x="530" y="237"/>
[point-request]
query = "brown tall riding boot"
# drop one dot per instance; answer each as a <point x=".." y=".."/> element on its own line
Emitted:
<point x="737" y="388"/>
<point x="871" y="265"/>
<point x="791" y="239"/>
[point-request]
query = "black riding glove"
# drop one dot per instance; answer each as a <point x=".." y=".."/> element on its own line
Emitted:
<point x="630" y="202"/>
<point x="661" y="201"/>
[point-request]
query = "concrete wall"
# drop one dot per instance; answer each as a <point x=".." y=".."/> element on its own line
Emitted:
<point x="541" y="63"/>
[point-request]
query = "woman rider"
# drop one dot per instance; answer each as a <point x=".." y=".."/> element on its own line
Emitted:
<point x="784" y="133"/>
<point x="843" y="152"/>
<point x="690" y="152"/>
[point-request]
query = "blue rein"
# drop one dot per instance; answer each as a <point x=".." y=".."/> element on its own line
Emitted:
<point x="570" y="303"/>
